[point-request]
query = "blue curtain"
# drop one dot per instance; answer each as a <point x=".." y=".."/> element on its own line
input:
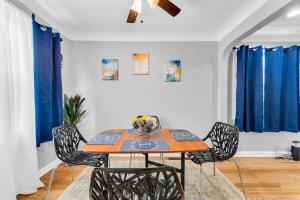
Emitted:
<point x="273" y="75"/>
<point x="249" y="95"/>
<point x="57" y="98"/>
<point x="267" y="98"/>
<point x="47" y="83"/>
<point x="281" y="103"/>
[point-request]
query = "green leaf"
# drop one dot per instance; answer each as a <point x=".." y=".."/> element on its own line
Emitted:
<point x="72" y="111"/>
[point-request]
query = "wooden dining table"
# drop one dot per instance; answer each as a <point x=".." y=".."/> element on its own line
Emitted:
<point x="174" y="146"/>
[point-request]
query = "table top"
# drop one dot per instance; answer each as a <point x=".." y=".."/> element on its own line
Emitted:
<point x="174" y="145"/>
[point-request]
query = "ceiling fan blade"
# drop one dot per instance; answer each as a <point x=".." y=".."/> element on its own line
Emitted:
<point x="169" y="7"/>
<point x="153" y="3"/>
<point x="132" y="16"/>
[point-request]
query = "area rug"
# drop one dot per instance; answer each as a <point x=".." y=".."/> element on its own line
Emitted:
<point x="213" y="187"/>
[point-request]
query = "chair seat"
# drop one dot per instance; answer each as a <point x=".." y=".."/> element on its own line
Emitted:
<point x="83" y="158"/>
<point x="201" y="156"/>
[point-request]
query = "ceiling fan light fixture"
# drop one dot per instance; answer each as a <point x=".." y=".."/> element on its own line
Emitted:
<point x="153" y="3"/>
<point x="137" y="6"/>
<point x="166" y="5"/>
<point x="293" y="13"/>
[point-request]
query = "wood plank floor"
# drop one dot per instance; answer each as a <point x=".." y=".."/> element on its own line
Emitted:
<point x="265" y="179"/>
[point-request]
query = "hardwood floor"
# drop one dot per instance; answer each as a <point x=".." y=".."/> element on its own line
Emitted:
<point x="265" y="179"/>
<point x="63" y="178"/>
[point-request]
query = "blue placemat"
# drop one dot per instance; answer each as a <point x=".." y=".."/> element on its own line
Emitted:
<point x="106" y="137"/>
<point x="132" y="131"/>
<point x="136" y="145"/>
<point x="183" y="135"/>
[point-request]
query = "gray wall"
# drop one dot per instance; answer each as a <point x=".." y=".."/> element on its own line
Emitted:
<point x="189" y="104"/>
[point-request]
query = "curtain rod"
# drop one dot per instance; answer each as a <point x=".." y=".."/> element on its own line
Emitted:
<point x="33" y="18"/>
<point x="235" y="48"/>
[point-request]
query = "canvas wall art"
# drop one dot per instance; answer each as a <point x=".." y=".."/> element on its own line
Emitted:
<point x="110" y="69"/>
<point x="172" y="71"/>
<point x="140" y="64"/>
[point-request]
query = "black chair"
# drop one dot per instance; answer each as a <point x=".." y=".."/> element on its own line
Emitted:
<point x="66" y="141"/>
<point x="135" y="184"/>
<point x="224" y="140"/>
<point x="158" y="126"/>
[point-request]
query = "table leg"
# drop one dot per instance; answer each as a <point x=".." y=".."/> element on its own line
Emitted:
<point x="182" y="174"/>
<point x="106" y="160"/>
<point x="146" y="160"/>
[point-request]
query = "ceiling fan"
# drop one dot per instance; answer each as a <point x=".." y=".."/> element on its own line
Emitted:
<point x="166" y="5"/>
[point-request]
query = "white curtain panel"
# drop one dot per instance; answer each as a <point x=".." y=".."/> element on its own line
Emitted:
<point x="19" y="167"/>
<point x="232" y="87"/>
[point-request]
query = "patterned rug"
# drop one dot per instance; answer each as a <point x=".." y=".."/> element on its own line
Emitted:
<point x="213" y="187"/>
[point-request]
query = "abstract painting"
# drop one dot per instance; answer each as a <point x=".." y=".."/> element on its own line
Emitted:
<point x="173" y="71"/>
<point x="110" y="69"/>
<point x="140" y="63"/>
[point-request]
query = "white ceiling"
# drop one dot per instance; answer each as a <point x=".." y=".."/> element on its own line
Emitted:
<point x="281" y="29"/>
<point x="201" y="20"/>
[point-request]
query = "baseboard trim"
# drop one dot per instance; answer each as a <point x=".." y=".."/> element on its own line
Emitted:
<point x="259" y="154"/>
<point x="48" y="167"/>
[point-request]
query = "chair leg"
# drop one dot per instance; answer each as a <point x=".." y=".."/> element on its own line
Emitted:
<point x="240" y="175"/>
<point x="130" y="159"/>
<point x="214" y="168"/>
<point x="201" y="182"/>
<point x="162" y="158"/>
<point x="50" y="181"/>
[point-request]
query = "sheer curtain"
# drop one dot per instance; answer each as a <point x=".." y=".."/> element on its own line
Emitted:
<point x="19" y="168"/>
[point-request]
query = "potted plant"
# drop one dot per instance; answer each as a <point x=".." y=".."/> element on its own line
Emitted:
<point x="73" y="111"/>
